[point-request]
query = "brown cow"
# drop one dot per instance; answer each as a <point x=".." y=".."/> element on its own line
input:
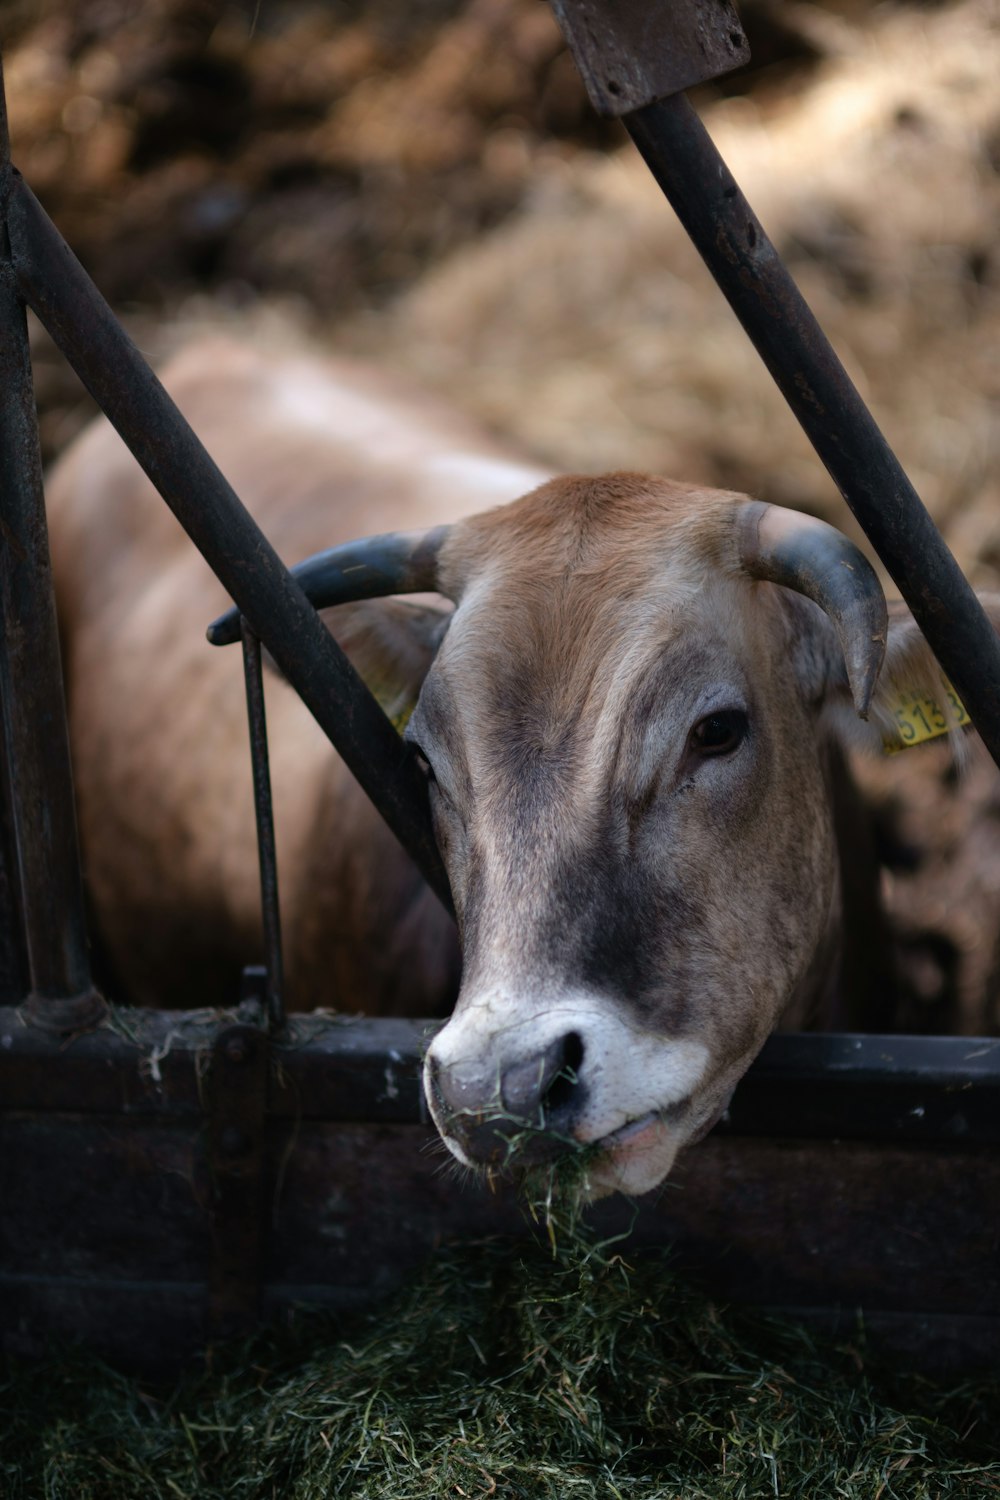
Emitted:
<point x="630" y="724"/>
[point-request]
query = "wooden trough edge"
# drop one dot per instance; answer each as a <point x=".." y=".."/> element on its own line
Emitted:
<point x="175" y="1177"/>
<point x="324" y="1066"/>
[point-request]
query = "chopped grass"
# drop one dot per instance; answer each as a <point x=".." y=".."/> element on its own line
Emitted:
<point x="554" y="1371"/>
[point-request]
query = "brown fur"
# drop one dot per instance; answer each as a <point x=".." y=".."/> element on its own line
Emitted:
<point x="158" y="719"/>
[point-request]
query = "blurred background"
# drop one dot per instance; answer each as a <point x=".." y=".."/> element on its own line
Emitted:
<point x="424" y="181"/>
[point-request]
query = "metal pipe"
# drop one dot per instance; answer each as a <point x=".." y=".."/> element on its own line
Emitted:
<point x="55" y="285"/>
<point x="727" y="234"/>
<point x="36" y="739"/>
<point x="264" y="810"/>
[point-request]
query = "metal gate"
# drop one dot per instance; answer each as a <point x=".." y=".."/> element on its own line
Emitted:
<point x="255" y="1117"/>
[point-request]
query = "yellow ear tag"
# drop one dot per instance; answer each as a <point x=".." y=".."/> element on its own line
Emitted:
<point x="398" y="710"/>
<point x="920" y="718"/>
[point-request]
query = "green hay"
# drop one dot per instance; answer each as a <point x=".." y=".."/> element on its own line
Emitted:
<point x="524" y="1373"/>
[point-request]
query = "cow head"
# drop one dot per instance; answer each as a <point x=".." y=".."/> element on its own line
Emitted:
<point x="623" y="731"/>
<point x="628" y="790"/>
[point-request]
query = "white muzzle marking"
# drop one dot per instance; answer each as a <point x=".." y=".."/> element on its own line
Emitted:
<point x="628" y="1080"/>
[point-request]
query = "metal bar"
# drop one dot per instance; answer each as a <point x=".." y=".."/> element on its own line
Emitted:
<point x="729" y="237"/>
<point x="55" y="285"/>
<point x="238" y="1174"/>
<point x="36" y="739"/>
<point x="264" y="811"/>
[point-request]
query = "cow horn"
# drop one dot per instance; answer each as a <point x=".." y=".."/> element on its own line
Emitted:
<point x="805" y="554"/>
<point x="398" y="562"/>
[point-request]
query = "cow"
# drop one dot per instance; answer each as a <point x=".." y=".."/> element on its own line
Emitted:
<point x="630" y="719"/>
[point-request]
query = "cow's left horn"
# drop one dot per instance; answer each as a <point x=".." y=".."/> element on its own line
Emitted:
<point x="805" y="554"/>
<point x="399" y="562"/>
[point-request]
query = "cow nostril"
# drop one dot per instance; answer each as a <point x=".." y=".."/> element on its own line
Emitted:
<point x="542" y="1087"/>
<point x="564" y="1088"/>
<point x="526" y="1115"/>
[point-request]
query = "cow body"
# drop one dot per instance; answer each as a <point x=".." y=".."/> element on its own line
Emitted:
<point x="630" y="725"/>
<point x="317" y="450"/>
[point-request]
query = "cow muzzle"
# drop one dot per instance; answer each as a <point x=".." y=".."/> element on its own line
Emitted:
<point x="526" y="1077"/>
<point x="521" y="1112"/>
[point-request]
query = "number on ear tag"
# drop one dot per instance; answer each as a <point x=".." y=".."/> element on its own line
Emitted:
<point x="920" y="718"/>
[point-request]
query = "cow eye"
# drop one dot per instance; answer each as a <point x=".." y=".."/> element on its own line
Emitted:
<point x="424" y="764"/>
<point x="720" y="733"/>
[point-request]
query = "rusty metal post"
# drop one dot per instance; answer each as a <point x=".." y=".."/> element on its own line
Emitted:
<point x="684" y="42"/>
<point x="62" y="996"/>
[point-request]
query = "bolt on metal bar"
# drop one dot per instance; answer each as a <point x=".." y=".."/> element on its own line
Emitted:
<point x="730" y="239"/>
<point x="264" y="811"/>
<point x="36" y="738"/>
<point x="55" y="285"/>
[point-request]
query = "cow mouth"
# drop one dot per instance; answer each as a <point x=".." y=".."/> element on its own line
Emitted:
<point x="629" y="1135"/>
<point x="637" y="1133"/>
<point x="637" y="1156"/>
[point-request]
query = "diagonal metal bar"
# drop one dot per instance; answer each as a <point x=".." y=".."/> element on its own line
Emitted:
<point x="651" y="51"/>
<point x="54" y="284"/>
<point x="731" y="240"/>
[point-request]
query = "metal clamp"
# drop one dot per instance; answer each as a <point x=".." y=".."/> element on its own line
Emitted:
<point x="632" y="52"/>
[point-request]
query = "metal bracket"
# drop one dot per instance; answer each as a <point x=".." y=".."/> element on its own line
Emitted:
<point x="633" y="52"/>
<point x="63" y="1016"/>
<point x="237" y="1091"/>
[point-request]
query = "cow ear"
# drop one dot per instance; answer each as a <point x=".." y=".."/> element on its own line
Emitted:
<point x="913" y="700"/>
<point x="391" y="644"/>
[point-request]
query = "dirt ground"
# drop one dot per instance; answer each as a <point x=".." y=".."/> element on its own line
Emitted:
<point x="427" y="183"/>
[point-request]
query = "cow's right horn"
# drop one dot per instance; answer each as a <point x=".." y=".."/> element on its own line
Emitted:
<point x="805" y="554"/>
<point x="398" y="562"/>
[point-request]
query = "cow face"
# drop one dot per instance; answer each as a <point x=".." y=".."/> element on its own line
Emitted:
<point x="627" y="782"/>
